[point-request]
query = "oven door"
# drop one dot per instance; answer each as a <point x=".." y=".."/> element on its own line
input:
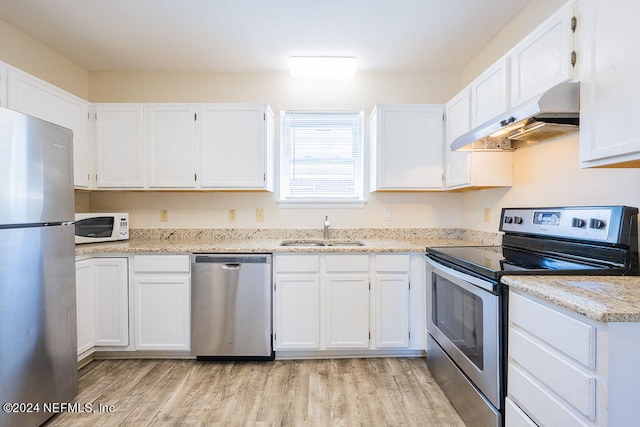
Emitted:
<point x="464" y="320"/>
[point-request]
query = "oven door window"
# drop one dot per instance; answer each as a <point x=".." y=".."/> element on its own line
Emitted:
<point x="458" y="314"/>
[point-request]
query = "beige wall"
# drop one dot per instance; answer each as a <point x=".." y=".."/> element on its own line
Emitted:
<point x="23" y="52"/>
<point x="548" y="174"/>
<point x="283" y="93"/>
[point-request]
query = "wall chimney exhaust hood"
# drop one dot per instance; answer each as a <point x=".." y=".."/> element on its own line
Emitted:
<point x="554" y="113"/>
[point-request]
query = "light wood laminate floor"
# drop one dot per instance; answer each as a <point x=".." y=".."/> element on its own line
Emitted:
<point x="337" y="392"/>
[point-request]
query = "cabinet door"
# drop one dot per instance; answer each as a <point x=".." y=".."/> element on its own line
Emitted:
<point x="297" y="311"/>
<point x="347" y="314"/>
<point x="458" y="122"/>
<point x="120" y="160"/>
<point x="85" y="304"/>
<point x="234" y="145"/>
<point x="490" y="93"/>
<point x="162" y="313"/>
<point x="111" y="302"/>
<point x="543" y="58"/>
<point x="37" y="98"/>
<point x="171" y="142"/>
<point x="407" y="147"/>
<point x="4" y="71"/>
<point x="392" y="310"/>
<point x="609" y="85"/>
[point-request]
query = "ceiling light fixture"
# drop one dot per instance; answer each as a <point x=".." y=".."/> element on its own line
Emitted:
<point x="323" y="67"/>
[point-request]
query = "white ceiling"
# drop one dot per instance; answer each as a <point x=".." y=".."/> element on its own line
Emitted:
<point x="259" y="35"/>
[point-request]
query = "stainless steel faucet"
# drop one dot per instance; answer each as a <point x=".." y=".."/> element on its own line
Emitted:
<point x="327" y="224"/>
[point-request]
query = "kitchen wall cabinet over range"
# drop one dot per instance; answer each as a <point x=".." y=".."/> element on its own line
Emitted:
<point x="406" y="147"/>
<point x="102" y="299"/>
<point x="347" y="302"/>
<point x="162" y="289"/>
<point x="544" y="58"/>
<point x="465" y="169"/>
<point x="609" y="84"/>
<point x="185" y="146"/>
<point x="565" y="369"/>
<point x="540" y="61"/>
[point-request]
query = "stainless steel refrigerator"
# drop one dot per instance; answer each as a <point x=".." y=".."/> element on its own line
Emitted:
<point x="38" y="360"/>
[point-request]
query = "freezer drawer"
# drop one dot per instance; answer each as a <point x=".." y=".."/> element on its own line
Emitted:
<point x="231" y="306"/>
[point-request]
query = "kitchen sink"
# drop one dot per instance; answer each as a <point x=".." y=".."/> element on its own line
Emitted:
<point x="317" y="242"/>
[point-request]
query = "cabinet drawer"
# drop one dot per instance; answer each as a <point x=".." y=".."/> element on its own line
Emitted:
<point x="564" y="378"/>
<point x="515" y="417"/>
<point x="161" y="263"/>
<point x="392" y="262"/>
<point x="571" y="336"/>
<point x="347" y="263"/>
<point x="297" y="263"/>
<point x="534" y="399"/>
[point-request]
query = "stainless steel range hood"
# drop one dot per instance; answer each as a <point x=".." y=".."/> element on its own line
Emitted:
<point x="550" y="115"/>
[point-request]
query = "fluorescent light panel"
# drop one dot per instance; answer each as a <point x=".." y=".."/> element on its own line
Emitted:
<point x="323" y="66"/>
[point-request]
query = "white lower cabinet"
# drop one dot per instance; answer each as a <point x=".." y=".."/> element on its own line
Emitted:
<point x="297" y="302"/>
<point x="162" y="302"/>
<point x="347" y="301"/>
<point x="112" y="302"/>
<point x="102" y="301"/>
<point x="334" y="302"/>
<point x="84" y="304"/>
<point x="392" y="292"/>
<point x="565" y="369"/>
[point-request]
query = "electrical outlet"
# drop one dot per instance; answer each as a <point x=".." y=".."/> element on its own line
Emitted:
<point x="487" y="215"/>
<point x="164" y="215"/>
<point x="387" y="214"/>
<point x="259" y="215"/>
<point x="232" y="215"/>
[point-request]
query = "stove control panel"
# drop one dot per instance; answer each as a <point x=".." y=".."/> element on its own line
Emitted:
<point x="584" y="223"/>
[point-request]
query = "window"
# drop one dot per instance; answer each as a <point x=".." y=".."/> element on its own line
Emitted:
<point x="321" y="156"/>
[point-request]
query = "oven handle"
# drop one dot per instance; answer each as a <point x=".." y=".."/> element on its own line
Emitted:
<point x="465" y="278"/>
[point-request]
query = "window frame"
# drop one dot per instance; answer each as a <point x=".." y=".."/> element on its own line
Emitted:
<point x="358" y="202"/>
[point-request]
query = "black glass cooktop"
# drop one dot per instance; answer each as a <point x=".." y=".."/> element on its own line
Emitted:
<point x="495" y="261"/>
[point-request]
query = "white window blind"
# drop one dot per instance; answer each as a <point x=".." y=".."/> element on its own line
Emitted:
<point x="321" y="156"/>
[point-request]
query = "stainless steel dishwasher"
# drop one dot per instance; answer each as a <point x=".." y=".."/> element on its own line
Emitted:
<point x="231" y="306"/>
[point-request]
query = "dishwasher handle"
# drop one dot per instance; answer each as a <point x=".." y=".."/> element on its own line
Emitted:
<point x="231" y="259"/>
<point x="230" y="267"/>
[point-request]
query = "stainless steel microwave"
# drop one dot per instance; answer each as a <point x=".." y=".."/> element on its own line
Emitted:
<point x="101" y="227"/>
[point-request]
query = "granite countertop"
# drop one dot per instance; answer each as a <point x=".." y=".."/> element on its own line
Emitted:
<point x="268" y="240"/>
<point x="601" y="298"/>
<point x="259" y="246"/>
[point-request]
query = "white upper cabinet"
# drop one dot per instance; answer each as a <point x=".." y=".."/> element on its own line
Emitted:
<point x="490" y="93"/>
<point x="465" y="169"/>
<point x="236" y="146"/>
<point x="171" y="145"/>
<point x="406" y="147"/>
<point x="120" y="146"/>
<point x="4" y="71"/>
<point x="544" y="58"/>
<point x="458" y="122"/>
<point x="185" y="147"/>
<point x="40" y="99"/>
<point x="609" y="86"/>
